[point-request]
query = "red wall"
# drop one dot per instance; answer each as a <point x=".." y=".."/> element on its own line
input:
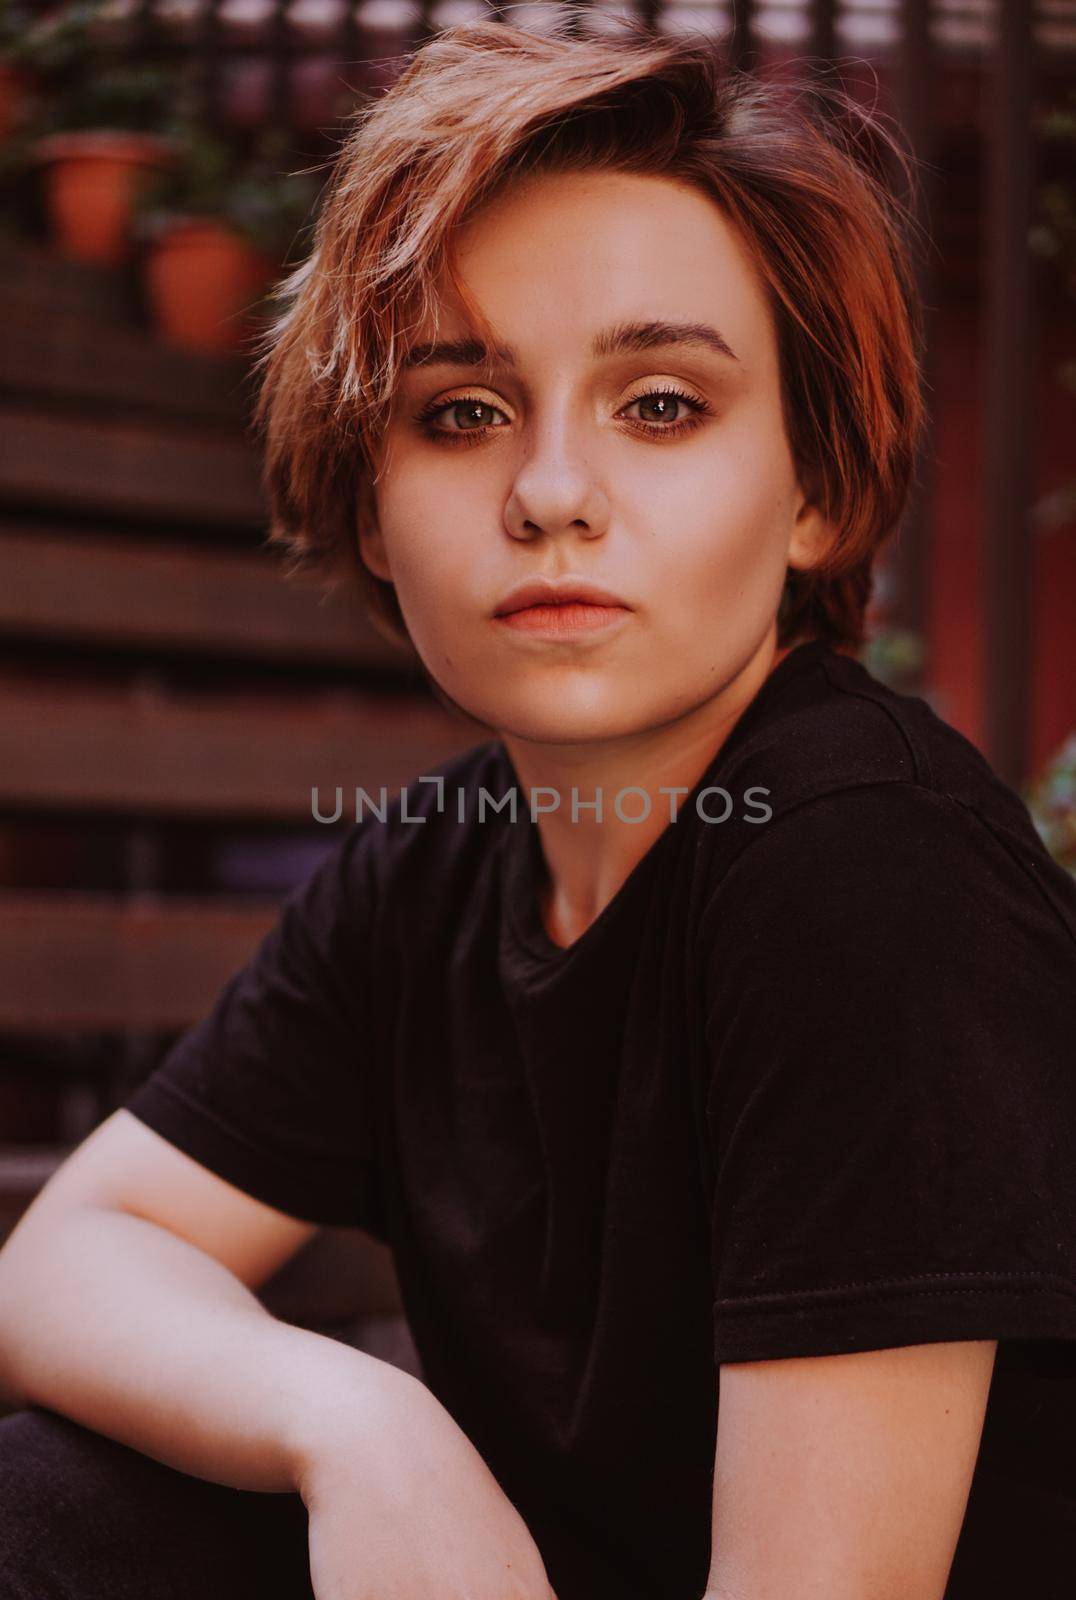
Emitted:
<point x="955" y="624"/>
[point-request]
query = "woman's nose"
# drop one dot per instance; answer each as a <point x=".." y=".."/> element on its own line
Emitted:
<point x="556" y="489"/>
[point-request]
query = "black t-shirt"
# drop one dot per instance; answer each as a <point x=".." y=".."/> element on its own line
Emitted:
<point x="806" y="1085"/>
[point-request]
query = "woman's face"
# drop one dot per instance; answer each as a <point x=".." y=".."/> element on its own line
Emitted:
<point x="629" y="436"/>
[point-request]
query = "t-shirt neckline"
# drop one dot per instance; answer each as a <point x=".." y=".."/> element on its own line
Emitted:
<point x="522" y="848"/>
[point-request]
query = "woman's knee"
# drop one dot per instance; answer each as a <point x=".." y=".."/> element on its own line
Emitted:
<point x="82" y="1516"/>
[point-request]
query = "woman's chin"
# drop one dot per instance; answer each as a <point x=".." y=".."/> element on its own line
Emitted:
<point x="558" y="724"/>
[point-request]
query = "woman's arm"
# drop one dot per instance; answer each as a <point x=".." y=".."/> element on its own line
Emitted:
<point x="127" y="1303"/>
<point x="846" y="1475"/>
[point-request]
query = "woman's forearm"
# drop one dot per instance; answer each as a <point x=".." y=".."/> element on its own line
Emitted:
<point x="128" y="1329"/>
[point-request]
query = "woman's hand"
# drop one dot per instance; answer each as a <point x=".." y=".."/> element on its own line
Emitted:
<point x="402" y="1507"/>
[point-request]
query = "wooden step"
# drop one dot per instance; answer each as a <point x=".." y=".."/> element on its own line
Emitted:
<point x="72" y="962"/>
<point x="168" y="470"/>
<point x="24" y="1168"/>
<point x="101" y="589"/>
<point x="66" y="356"/>
<point x="254" y="754"/>
<point x="36" y="281"/>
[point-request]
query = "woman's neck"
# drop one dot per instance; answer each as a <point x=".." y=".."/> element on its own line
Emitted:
<point x="587" y="860"/>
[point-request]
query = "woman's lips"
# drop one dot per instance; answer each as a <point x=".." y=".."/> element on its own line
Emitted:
<point x="575" y="616"/>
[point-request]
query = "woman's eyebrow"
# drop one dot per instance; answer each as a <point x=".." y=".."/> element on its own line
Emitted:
<point x="625" y="338"/>
<point x="629" y="337"/>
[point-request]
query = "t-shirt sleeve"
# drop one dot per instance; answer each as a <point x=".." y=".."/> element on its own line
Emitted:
<point x="891" y="1084"/>
<point x="273" y="1089"/>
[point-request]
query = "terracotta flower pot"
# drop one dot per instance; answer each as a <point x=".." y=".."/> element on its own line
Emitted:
<point x="91" y="180"/>
<point x="201" y="279"/>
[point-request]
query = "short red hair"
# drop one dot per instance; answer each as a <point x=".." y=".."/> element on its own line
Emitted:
<point x="801" y="172"/>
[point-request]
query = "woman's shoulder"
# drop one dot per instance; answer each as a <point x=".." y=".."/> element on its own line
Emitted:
<point x="865" y="785"/>
<point x="833" y="725"/>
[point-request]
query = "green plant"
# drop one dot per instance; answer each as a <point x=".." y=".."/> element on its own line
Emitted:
<point x="265" y="205"/>
<point x="1051" y="799"/>
<point x="197" y="182"/>
<point x="134" y="98"/>
<point x="895" y="656"/>
<point x="50" y="44"/>
<point x="273" y="208"/>
<point x="82" y="74"/>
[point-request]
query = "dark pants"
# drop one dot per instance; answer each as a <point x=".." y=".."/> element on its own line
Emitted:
<point x="84" y="1518"/>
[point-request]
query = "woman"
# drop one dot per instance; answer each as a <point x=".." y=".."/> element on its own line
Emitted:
<point x="700" y="1042"/>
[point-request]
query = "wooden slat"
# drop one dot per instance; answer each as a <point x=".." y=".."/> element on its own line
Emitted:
<point x="76" y="962"/>
<point x="169" y="471"/>
<point x="122" y="592"/>
<point x="68" y="357"/>
<point x="24" y="1168"/>
<point x="252" y="754"/>
<point x="35" y="280"/>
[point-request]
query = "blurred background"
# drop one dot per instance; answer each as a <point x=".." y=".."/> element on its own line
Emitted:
<point x="167" y="699"/>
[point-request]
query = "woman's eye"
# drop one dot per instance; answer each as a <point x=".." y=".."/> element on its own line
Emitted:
<point x="667" y="410"/>
<point x="658" y="407"/>
<point x="466" y="415"/>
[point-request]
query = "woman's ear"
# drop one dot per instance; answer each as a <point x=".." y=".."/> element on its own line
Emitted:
<point x="368" y="533"/>
<point x="813" y="534"/>
<point x="367" y="520"/>
<point x="372" y="550"/>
